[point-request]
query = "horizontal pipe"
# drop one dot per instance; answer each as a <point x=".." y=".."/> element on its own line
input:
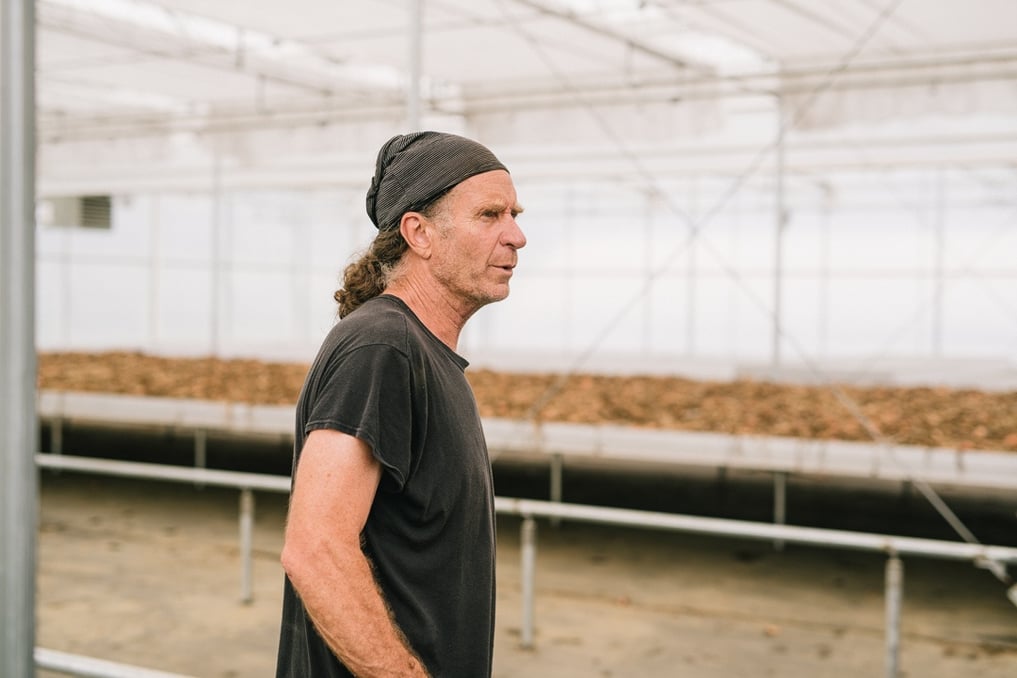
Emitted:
<point x="132" y="469"/>
<point x="77" y="665"/>
<point x="863" y="541"/>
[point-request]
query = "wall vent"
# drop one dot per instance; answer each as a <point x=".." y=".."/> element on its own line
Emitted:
<point x="79" y="211"/>
<point x="96" y="211"/>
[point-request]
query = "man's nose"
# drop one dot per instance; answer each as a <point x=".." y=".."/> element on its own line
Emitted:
<point x="514" y="236"/>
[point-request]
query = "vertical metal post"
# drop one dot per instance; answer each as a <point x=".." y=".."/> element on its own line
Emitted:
<point x="939" y="281"/>
<point x="556" y="477"/>
<point x="56" y="435"/>
<point x="200" y="451"/>
<point x="779" y="504"/>
<point x="154" y="265"/>
<point x="894" y="594"/>
<point x="66" y="286"/>
<point x="778" y="249"/>
<point x="647" y="335"/>
<point x="529" y="558"/>
<point x="415" y="66"/>
<point x="246" y="544"/>
<point x="569" y="273"/>
<point x="18" y="477"/>
<point x="824" y="274"/>
<point x="301" y="237"/>
<point x="690" y="275"/>
<point x="214" y="320"/>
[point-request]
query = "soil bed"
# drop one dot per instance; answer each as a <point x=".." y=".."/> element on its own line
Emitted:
<point x="939" y="417"/>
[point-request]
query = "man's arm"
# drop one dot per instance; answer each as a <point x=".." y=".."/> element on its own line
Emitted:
<point x="336" y="480"/>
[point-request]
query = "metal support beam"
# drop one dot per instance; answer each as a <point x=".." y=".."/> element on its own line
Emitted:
<point x="642" y="47"/>
<point x="18" y="479"/>
<point x="216" y="292"/>
<point x="939" y="274"/>
<point x="56" y="435"/>
<point x="415" y="65"/>
<point x="983" y="555"/>
<point x="88" y="667"/>
<point x="824" y="273"/>
<point x="557" y="462"/>
<point x="200" y="450"/>
<point x="528" y="538"/>
<point x="246" y="545"/>
<point x="894" y="595"/>
<point x="744" y="529"/>
<point x="779" y="504"/>
<point x="778" y="247"/>
<point x="692" y="274"/>
<point x="803" y="535"/>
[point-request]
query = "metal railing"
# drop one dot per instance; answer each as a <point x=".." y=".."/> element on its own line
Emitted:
<point x="893" y="546"/>
<point x="89" y="667"/>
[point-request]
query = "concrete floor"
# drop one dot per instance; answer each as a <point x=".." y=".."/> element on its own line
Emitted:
<point x="149" y="574"/>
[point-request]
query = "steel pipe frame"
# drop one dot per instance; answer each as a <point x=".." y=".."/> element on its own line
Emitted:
<point x="414" y="67"/>
<point x="556" y="471"/>
<point x="529" y="509"/>
<point x="88" y="667"/>
<point x="779" y="504"/>
<point x="918" y="70"/>
<point x="894" y="578"/>
<point x="722" y="527"/>
<point x="129" y="469"/>
<point x="689" y="159"/>
<point x="18" y="477"/>
<point x="780" y="226"/>
<point x="894" y="595"/>
<point x="528" y="554"/>
<point x="246" y="545"/>
<point x="779" y="493"/>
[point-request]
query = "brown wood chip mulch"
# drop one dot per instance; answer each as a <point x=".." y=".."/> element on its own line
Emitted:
<point x="941" y="417"/>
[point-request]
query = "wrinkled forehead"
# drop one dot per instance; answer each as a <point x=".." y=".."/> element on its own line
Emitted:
<point x="491" y="189"/>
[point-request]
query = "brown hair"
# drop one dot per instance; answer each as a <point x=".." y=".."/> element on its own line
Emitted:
<point x="371" y="273"/>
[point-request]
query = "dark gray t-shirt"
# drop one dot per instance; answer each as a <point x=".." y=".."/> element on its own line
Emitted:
<point x="382" y="377"/>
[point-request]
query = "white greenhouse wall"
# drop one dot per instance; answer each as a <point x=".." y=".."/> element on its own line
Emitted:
<point x="874" y="272"/>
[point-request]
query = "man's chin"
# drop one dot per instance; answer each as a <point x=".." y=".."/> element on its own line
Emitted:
<point x="498" y="294"/>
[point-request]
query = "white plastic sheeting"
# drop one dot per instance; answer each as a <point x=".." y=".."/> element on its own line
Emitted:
<point x="237" y="139"/>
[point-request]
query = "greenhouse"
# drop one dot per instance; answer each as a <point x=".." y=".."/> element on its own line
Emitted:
<point x="770" y="257"/>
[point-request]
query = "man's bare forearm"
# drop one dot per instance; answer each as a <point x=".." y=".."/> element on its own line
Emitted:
<point x="347" y="608"/>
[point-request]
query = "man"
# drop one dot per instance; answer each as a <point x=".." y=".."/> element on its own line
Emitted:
<point x="389" y="546"/>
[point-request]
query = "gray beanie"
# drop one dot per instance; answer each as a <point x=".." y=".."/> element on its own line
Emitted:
<point x="412" y="169"/>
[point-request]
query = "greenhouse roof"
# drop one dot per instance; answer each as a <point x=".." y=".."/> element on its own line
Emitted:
<point x="113" y="67"/>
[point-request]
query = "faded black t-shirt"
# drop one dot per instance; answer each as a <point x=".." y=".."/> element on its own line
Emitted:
<point x="382" y="377"/>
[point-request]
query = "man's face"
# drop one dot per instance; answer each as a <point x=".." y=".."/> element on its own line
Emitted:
<point x="475" y="253"/>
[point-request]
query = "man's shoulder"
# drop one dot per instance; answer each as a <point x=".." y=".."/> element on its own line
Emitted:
<point x="386" y="322"/>
<point x="378" y="320"/>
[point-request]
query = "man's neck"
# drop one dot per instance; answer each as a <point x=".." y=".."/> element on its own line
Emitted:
<point x="434" y="307"/>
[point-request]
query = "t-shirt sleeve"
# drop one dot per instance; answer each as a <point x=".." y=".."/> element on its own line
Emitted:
<point x="365" y="393"/>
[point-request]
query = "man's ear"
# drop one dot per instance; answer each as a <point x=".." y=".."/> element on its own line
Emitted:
<point x="417" y="233"/>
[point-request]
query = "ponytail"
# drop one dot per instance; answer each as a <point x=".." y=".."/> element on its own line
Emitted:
<point x="369" y="275"/>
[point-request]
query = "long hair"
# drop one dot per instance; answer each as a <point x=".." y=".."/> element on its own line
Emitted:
<point x="378" y="265"/>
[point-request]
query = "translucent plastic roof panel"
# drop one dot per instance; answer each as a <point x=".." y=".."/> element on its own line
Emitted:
<point x="211" y="62"/>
